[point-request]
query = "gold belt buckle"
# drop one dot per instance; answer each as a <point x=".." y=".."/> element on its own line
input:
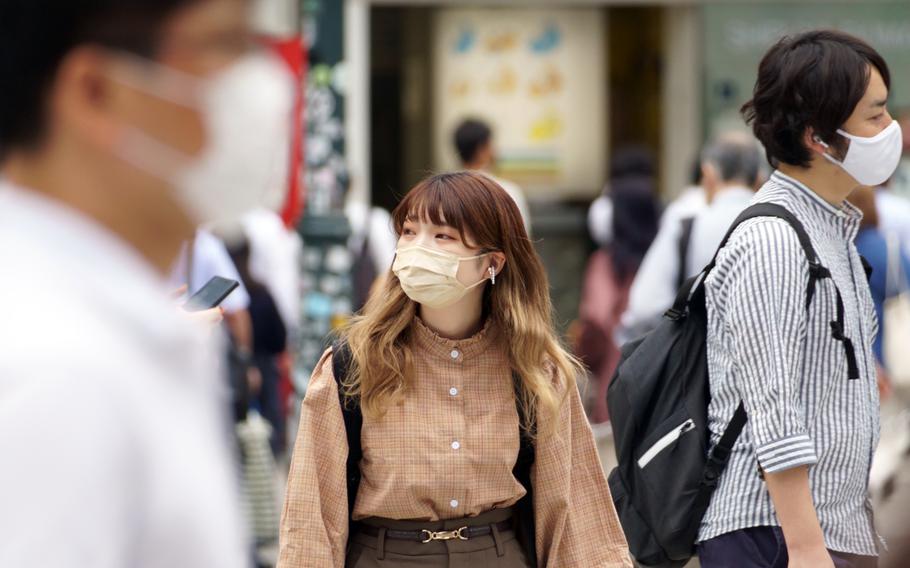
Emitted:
<point x="445" y="535"/>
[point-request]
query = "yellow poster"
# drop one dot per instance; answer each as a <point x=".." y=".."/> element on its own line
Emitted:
<point x="538" y="77"/>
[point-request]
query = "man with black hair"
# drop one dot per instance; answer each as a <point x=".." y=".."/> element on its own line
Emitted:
<point x="474" y="143"/>
<point x="790" y="339"/>
<point x="119" y="123"/>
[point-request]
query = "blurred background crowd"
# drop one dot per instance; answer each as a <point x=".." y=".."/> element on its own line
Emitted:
<point x="614" y="125"/>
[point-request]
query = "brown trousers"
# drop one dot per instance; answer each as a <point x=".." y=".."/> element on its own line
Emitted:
<point x="497" y="550"/>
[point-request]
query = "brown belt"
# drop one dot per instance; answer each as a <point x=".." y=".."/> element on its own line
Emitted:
<point x="464" y="533"/>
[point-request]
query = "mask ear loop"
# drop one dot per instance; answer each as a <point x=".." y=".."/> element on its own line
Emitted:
<point x="826" y="146"/>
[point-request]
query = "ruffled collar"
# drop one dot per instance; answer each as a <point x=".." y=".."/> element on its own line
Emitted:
<point x="431" y="342"/>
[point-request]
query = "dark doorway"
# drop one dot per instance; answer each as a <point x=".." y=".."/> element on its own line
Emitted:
<point x="635" y="75"/>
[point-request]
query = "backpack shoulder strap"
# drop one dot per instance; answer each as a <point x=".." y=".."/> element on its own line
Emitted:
<point x="686" y="225"/>
<point x="816" y="270"/>
<point x="524" y="508"/>
<point x="720" y="453"/>
<point x="353" y="419"/>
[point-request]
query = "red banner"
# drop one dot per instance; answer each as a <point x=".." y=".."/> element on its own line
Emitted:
<point x="293" y="52"/>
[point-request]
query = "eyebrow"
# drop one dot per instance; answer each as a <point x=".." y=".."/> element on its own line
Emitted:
<point x="417" y="220"/>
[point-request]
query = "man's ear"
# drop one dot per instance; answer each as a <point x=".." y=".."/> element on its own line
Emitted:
<point x="814" y="143"/>
<point x="82" y="97"/>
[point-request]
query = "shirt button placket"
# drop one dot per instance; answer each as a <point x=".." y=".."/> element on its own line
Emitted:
<point x="454" y="391"/>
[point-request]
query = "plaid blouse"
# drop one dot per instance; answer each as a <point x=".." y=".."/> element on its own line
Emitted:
<point x="447" y="451"/>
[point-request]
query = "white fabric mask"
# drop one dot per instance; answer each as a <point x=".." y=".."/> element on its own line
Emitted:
<point x="429" y="277"/>
<point x="871" y="161"/>
<point x="247" y="113"/>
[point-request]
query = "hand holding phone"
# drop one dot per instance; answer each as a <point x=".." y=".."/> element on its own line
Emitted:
<point x="211" y="295"/>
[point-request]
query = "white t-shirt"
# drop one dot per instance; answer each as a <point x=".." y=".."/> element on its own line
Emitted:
<point x="711" y="225"/>
<point x="114" y="431"/>
<point x="374" y="223"/>
<point x="893" y="215"/>
<point x="518" y="196"/>
<point x="275" y="261"/>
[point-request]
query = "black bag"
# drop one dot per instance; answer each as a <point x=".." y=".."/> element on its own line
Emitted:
<point x="353" y="422"/>
<point x="682" y="249"/>
<point x="658" y="402"/>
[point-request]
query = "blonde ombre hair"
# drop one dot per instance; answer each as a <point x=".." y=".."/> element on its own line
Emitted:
<point x="519" y="304"/>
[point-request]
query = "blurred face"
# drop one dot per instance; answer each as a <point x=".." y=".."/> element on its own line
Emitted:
<point x="199" y="40"/>
<point x="710" y="179"/>
<point x="485" y="157"/>
<point x="446" y="239"/>
<point x="194" y="134"/>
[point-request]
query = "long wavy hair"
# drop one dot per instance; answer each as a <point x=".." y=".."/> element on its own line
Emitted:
<point x="518" y="305"/>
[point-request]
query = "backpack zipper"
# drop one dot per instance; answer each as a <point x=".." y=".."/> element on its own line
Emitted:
<point x="666" y="441"/>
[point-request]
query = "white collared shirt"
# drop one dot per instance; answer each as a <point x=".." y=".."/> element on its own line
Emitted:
<point x="712" y="223"/>
<point x="114" y="430"/>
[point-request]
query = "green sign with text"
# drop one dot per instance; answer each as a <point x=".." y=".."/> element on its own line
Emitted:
<point x="737" y="35"/>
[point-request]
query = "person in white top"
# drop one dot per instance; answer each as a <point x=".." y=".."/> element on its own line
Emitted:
<point x="275" y="261"/>
<point x="114" y="428"/>
<point x="474" y="143"/>
<point x="729" y="173"/>
<point x="893" y="214"/>
<point x="900" y="181"/>
<point x="730" y="177"/>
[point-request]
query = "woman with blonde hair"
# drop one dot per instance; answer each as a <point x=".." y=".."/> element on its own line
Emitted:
<point x="473" y="448"/>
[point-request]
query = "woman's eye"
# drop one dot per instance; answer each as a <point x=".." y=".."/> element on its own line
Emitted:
<point x="444" y="237"/>
<point x="407" y="232"/>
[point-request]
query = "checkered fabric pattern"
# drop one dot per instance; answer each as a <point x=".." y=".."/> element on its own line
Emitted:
<point x="446" y="452"/>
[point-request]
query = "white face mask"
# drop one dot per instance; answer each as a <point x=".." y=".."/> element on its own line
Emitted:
<point x="871" y="161"/>
<point x="247" y="113"/>
<point x="430" y="277"/>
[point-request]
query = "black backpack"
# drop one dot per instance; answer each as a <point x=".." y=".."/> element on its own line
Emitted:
<point x="353" y="423"/>
<point x="658" y="402"/>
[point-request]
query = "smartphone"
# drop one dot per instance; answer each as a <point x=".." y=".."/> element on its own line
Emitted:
<point x="211" y="295"/>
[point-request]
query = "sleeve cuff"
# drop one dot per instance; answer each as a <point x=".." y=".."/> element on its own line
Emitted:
<point x="786" y="453"/>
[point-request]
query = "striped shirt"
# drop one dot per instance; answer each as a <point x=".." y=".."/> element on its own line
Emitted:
<point x="767" y="349"/>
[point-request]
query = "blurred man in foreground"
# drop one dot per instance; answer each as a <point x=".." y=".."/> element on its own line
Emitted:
<point x="119" y="123"/>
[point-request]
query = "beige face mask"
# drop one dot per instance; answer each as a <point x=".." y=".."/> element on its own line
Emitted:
<point x="429" y="277"/>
